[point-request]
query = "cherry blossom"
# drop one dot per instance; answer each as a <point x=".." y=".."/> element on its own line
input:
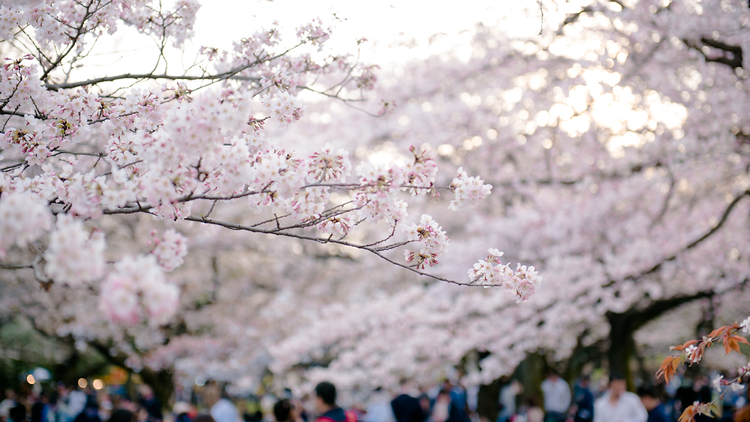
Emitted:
<point x="24" y="217"/>
<point x="74" y="256"/>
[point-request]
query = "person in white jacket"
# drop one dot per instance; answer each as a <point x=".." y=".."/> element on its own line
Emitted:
<point x="619" y="405"/>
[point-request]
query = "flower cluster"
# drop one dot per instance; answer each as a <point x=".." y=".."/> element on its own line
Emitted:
<point x="284" y="107"/>
<point x="468" y="190"/>
<point x="170" y="250"/>
<point x="24" y="218"/>
<point x="339" y="225"/>
<point x="719" y="381"/>
<point x="431" y="237"/>
<point x="421" y="172"/>
<point x="177" y="23"/>
<point x="376" y="197"/>
<point x="523" y="282"/>
<point x="328" y="165"/>
<point x="10" y="20"/>
<point x="137" y="288"/>
<point x="314" y="32"/>
<point x="74" y="256"/>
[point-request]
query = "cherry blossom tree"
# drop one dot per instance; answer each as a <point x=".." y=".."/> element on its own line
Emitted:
<point x="90" y="160"/>
<point x="614" y="141"/>
<point x="617" y="149"/>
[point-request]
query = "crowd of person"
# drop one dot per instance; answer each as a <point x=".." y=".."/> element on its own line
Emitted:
<point x="73" y="404"/>
<point x="446" y="402"/>
<point x="611" y="402"/>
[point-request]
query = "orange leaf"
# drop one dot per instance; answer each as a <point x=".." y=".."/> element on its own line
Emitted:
<point x="741" y="340"/>
<point x="667" y="368"/>
<point x="689" y="414"/>
<point x="716" y="332"/>
<point x="684" y="346"/>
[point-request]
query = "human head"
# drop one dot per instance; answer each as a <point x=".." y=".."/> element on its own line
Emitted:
<point x="553" y="375"/>
<point x="282" y="410"/>
<point x="617" y="384"/>
<point x="145" y="391"/>
<point x="325" y="396"/>
<point x="17" y="413"/>
<point x="180" y="408"/>
<point x="648" y="396"/>
<point x="585" y="381"/>
<point x="122" y="415"/>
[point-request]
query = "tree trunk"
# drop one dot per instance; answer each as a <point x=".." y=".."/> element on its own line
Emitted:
<point x="162" y="382"/>
<point x="621" y="346"/>
<point x="487" y="401"/>
<point x="530" y="373"/>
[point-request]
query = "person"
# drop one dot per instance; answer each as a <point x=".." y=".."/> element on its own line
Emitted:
<point x="8" y="403"/>
<point x="181" y="411"/>
<point x="17" y="413"/>
<point x="90" y="411"/>
<point x="619" y="405"/>
<point x="76" y="403"/>
<point x="584" y="401"/>
<point x="508" y="395"/>
<point x="406" y="406"/>
<point x="122" y="415"/>
<point x="653" y="404"/>
<point x="283" y="411"/>
<point x="40" y="409"/>
<point x="459" y="400"/>
<point x="149" y="402"/>
<point x="379" y="409"/>
<point x="556" y="397"/>
<point x="222" y="409"/>
<point x="445" y="409"/>
<point x="441" y="409"/>
<point x="534" y="413"/>
<point x="325" y="405"/>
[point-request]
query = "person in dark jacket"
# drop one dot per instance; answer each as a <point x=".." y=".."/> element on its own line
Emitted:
<point x="325" y="405"/>
<point x="653" y="404"/>
<point x="90" y="412"/>
<point x="149" y="402"/>
<point x="584" y="401"/>
<point x="40" y="408"/>
<point x="17" y="413"/>
<point x="406" y="407"/>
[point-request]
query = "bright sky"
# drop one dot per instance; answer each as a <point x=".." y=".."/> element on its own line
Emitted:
<point x="383" y="22"/>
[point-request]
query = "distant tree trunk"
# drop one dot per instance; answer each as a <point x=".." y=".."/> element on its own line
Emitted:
<point x="487" y="401"/>
<point x="621" y="346"/>
<point x="530" y="373"/>
<point x="624" y="325"/>
<point x="162" y="382"/>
